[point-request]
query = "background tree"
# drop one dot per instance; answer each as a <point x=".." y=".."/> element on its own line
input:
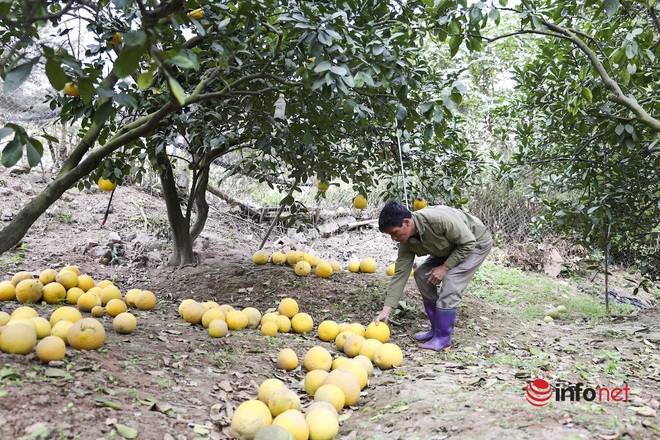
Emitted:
<point x="209" y="73"/>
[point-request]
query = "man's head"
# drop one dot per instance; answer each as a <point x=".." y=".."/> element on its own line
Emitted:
<point x="396" y="220"/>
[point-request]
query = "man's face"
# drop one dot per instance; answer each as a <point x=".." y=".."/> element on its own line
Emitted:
<point x="402" y="233"/>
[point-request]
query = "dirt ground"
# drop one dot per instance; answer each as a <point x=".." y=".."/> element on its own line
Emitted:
<point x="170" y="380"/>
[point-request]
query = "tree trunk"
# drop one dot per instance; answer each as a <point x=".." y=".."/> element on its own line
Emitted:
<point x="182" y="253"/>
<point x="201" y="204"/>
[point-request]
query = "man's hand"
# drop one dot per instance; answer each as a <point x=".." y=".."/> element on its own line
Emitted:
<point x="436" y="274"/>
<point x="383" y="315"/>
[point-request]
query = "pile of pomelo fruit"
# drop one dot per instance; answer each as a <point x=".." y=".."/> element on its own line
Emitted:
<point x="304" y="262"/>
<point x="276" y="412"/>
<point x="24" y="330"/>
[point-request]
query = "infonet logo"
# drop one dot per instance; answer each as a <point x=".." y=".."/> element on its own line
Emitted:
<point x="539" y="393"/>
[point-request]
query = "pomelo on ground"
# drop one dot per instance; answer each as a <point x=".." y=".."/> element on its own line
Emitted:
<point x="86" y="334"/>
<point x="249" y="417"/>
<point x="283" y="399"/>
<point x="51" y="348"/>
<point x="293" y="421"/>
<point x="17" y="339"/>
<point x="124" y="323"/>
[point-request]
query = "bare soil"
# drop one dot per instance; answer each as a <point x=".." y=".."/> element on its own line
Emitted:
<point x="170" y="380"/>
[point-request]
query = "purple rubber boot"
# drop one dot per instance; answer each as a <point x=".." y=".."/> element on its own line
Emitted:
<point x="430" y="311"/>
<point x="443" y="327"/>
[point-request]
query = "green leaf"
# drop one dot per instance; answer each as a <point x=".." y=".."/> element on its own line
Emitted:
<point x="5" y="131"/>
<point x="145" y="79"/>
<point x="322" y="66"/>
<point x="612" y="7"/>
<point x="586" y="94"/>
<point x="182" y="61"/>
<point x="135" y="39"/>
<point x="126" y="431"/>
<point x="34" y="151"/>
<point x="106" y="403"/>
<point x="177" y="90"/>
<point x="128" y="61"/>
<point x="55" y="74"/>
<point x="401" y="112"/>
<point x="103" y="113"/>
<point x="16" y="76"/>
<point x="12" y="152"/>
<point x="454" y="44"/>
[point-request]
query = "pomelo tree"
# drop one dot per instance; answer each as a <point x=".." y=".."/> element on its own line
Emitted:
<point x="205" y="75"/>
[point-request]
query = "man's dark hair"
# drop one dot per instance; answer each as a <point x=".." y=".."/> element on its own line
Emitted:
<point x="392" y="215"/>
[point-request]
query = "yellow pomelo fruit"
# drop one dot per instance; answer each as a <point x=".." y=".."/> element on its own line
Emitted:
<point x="390" y="270"/>
<point x="249" y="417"/>
<point x="302" y="268"/>
<point x="124" y="323"/>
<point x="313" y="380"/>
<point x="387" y="356"/>
<point x="341" y="338"/>
<point x="29" y="290"/>
<point x="369" y="347"/>
<point x="24" y="312"/>
<point x="316" y="261"/>
<point x="356" y="328"/>
<point x="87" y="301"/>
<point x="325" y="405"/>
<point x="74" y="293"/>
<point x="130" y="296"/>
<point x="196" y="13"/>
<point x="357" y="369"/>
<point x="365" y="361"/>
<point x="226" y="308"/>
<point x="306" y="256"/>
<point x="210" y="305"/>
<point x="380" y="331"/>
<point x="86" y="334"/>
<point x="267" y="388"/>
<point x="278" y="258"/>
<point x="288" y="307"/>
<point x="343" y="326"/>
<point x="336" y="362"/>
<point x="183" y="303"/>
<point x="322" y="185"/>
<point x="96" y="290"/>
<point x="85" y="282"/>
<point x="332" y="394"/>
<point x="47" y="276"/>
<point x="115" y="306"/>
<point x="360" y="202"/>
<point x="287" y="359"/>
<point x="419" y="203"/>
<point x="26" y="321"/>
<point x="236" y="320"/>
<point x="368" y="265"/>
<point x="293" y="421"/>
<point x="292" y="257"/>
<point x="42" y="326"/>
<point x="97" y="311"/>
<point x="51" y="348"/>
<point x="105" y="184"/>
<point x="4" y="318"/>
<point x="17" y="339"/>
<point x="116" y="38"/>
<point x="65" y="313"/>
<point x="273" y="432"/>
<point x="269" y="328"/>
<point x="212" y="314"/>
<point x="218" y="328"/>
<point x="7" y="291"/>
<point x="353" y="344"/>
<point x="283" y="399"/>
<point x="336" y="266"/>
<point x="53" y="293"/>
<point x="328" y="330"/>
<point x="317" y="358"/>
<point x="260" y="257"/>
<point x="67" y="278"/>
<point x="323" y="270"/>
<point x="193" y="312"/>
<point x="354" y="266"/>
<point x="61" y="330"/>
<point x="20" y="276"/>
<point x="108" y="293"/>
<point x="347" y="382"/>
<point x="269" y="317"/>
<point x="145" y="300"/>
<point x="322" y="424"/>
<point x="73" y="269"/>
<point x="283" y="324"/>
<point x="302" y="323"/>
<point x="104" y="283"/>
<point x="254" y="316"/>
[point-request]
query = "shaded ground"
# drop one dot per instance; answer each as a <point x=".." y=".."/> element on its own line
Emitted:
<point x="169" y="379"/>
